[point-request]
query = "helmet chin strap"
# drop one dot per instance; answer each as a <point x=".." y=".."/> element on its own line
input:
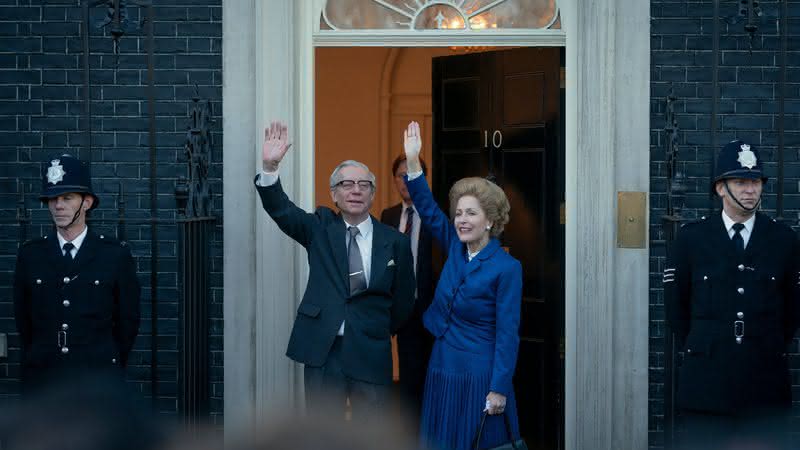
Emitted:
<point x="77" y="214"/>
<point x="728" y="190"/>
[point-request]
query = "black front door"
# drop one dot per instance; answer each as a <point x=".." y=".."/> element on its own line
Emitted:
<point x="498" y="113"/>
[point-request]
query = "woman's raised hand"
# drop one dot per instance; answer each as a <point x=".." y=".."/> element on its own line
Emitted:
<point x="412" y="143"/>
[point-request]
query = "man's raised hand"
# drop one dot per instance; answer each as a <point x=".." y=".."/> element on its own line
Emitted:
<point x="275" y="146"/>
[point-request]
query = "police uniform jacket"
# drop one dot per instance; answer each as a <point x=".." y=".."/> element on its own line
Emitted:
<point x="714" y="295"/>
<point x="78" y="314"/>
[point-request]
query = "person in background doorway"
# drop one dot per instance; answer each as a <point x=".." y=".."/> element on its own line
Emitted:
<point x="413" y="340"/>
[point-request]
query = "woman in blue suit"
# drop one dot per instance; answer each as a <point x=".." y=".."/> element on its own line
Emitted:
<point x="474" y="315"/>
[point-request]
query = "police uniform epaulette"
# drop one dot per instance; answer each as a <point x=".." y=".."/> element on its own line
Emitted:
<point x="694" y="221"/>
<point x="112" y="240"/>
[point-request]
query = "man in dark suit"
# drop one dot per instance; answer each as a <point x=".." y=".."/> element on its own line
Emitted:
<point x="413" y="340"/>
<point x="360" y="286"/>
<point x="76" y="295"/>
<point x="732" y="298"/>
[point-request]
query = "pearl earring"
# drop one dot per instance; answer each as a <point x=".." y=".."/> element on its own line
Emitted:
<point x="488" y="227"/>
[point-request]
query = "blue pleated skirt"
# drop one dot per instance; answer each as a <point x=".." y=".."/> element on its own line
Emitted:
<point x="455" y="395"/>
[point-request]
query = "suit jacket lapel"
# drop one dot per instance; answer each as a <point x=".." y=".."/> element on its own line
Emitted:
<point x="337" y="239"/>
<point x="380" y="252"/>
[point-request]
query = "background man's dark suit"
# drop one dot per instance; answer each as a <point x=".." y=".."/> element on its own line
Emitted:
<point x="414" y="342"/>
<point x="708" y="286"/>
<point x="96" y="296"/>
<point x="370" y="316"/>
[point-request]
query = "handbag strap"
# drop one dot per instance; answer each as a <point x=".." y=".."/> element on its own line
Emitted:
<point x="476" y="441"/>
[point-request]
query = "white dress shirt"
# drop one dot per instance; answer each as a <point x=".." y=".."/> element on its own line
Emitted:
<point x="745" y="232"/>
<point x="77" y="242"/>
<point x="416" y="223"/>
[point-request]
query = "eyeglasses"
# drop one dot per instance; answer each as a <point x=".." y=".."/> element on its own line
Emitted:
<point x="350" y="184"/>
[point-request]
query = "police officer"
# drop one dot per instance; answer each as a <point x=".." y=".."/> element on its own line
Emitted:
<point x="731" y="297"/>
<point x="76" y="295"/>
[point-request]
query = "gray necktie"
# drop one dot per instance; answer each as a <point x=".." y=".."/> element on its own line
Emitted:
<point x="358" y="281"/>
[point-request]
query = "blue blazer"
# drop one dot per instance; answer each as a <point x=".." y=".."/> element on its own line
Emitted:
<point x="476" y="306"/>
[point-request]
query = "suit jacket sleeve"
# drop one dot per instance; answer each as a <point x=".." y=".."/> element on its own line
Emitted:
<point x="433" y="218"/>
<point x="292" y="220"/>
<point x="403" y="284"/>
<point x="22" y="312"/>
<point x="507" y="312"/>
<point x="791" y="313"/>
<point x="677" y="287"/>
<point x="126" y="311"/>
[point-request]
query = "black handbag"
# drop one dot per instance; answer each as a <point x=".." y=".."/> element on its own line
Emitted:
<point x="512" y="444"/>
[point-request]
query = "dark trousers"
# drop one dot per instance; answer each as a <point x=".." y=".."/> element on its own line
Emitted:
<point x="413" y="351"/>
<point x="699" y="430"/>
<point x="327" y="387"/>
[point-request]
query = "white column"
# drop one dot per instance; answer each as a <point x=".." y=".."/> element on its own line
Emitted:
<point x="238" y="116"/>
<point x="607" y="287"/>
<point x="265" y="271"/>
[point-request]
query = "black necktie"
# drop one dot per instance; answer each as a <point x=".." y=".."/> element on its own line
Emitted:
<point x="409" y="221"/>
<point x="358" y="281"/>
<point x="67" y="247"/>
<point x="738" y="241"/>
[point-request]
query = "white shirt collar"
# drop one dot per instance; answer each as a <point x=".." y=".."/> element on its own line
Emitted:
<point x="365" y="227"/>
<point x="748" y="224"/>
<point x="76" y="242"/>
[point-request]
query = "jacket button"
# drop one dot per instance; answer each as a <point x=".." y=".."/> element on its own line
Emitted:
<point x="65" y="303"/>
<point x="740" y="290"/>
<point x="113" y="360"/>
<point x="65" y="350"/>
<point x="738" y="340"/>
<point x="38" y="281"/>
<point x="96" y="282"/>
<point x="740" y="315"/>
<point x="741" y="267"/>
<point x="773" y="278"/>
<point x="65" y="326"/>
<point x="66" y="280"/>
<point x="688" y="350"/>
<point x="705" y="277"/>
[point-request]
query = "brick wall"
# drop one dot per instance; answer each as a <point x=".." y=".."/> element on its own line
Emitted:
<point x="41" y="115"/>
<point x="681" y="58"/>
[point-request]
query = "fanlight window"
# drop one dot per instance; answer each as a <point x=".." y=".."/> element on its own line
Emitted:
<point x="439" y="14"/>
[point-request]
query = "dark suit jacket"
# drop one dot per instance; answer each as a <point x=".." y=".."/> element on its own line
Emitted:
<point x="96" y="296"/>
<point x="708" y="286"/>
<point x="424" y="272"/>
<point x="370" y="316"/>
<point x="413" y="340"/>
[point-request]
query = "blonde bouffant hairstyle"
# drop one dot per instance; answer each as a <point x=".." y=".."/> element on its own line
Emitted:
<point x="490" y="196"/>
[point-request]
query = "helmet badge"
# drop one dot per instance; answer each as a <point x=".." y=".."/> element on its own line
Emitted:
<point x="55" y="173"/>
<point x="746" y="157"/>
